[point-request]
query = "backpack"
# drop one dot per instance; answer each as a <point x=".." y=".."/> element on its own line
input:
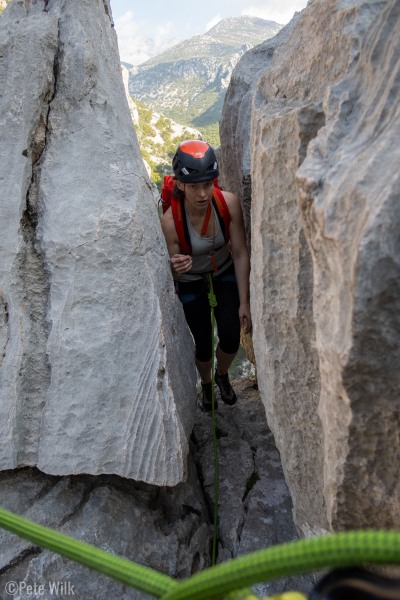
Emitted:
<point x="167" y="199"/>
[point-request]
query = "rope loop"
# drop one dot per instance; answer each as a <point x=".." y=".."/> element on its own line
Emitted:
<point x="212" y="300"/>
<point x="211" y="296"/>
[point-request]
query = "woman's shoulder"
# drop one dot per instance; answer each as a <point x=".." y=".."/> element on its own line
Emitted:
<point x="167" y="221"/>
<point x="167" y="217"/>
<point x="169" y="231"/>
<point x="232" y="202"/>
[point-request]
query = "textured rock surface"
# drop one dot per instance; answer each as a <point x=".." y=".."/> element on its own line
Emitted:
<point x="167" y="529"/>
<point x="325" y="248"/>
<point x="235" y="125"/>
<point x="254" y="508"/>
<point x="350" y="201"/>
<point x="91" y="333"/>
<point x="235" y="122"/>
<point x="164" y="528"/>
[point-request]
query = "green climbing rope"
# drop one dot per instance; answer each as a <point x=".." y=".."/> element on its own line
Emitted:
<point x="134" y="575"/>
<point x="303" y="556"/>
<point x="213" y="303"/>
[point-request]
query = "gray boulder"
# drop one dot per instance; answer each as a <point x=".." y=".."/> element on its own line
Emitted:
<point x="94" y="375"/>
<point x="321" y="169"/>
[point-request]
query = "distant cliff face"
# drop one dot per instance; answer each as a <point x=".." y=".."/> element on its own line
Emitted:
<point x="320" y="181"/>
<point x="188" y="82"/>
<point x="157" y="135"/>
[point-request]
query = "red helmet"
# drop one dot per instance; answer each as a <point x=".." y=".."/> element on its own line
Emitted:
<point x="195" y="161"/>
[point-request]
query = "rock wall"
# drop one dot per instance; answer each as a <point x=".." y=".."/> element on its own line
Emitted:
<point x="321" y="101"/>
<point x="163" y="528"/>
<point x="92" y="338"/>
<point x="168" y="529"/>
<point x="349" y="188"/>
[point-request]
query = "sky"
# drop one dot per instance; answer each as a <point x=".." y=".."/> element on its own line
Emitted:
<point x="146" y="28"/>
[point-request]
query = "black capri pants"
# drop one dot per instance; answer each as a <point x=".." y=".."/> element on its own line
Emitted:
<point x="196" y="306"/>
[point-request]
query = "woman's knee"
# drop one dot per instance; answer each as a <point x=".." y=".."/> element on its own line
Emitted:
<point x="229" y="341"/>
<point x="203" y="353"/>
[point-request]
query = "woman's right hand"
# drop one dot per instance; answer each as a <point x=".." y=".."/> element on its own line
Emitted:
<point x="181" y="263"/>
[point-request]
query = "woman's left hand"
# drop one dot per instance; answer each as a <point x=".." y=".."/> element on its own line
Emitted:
<point x="245" y="318"/>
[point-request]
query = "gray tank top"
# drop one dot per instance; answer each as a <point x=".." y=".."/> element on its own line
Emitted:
<point x="202" y="247"/>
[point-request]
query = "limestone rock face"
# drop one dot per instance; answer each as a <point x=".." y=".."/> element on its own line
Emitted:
<point x="235" y="123"/>
<point x="325" y="240"/>
<point x="350" y="201"/>
<point x="94" y="376"/>
<point x="165" y="529"/>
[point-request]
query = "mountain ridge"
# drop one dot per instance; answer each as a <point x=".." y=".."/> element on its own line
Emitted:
<point x="226" y="37"/>
<point x="188" y="81"/>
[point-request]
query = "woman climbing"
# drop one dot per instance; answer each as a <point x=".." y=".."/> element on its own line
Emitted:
<point x="205" y="234"/>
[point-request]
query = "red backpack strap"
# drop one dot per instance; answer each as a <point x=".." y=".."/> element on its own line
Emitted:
<point x="179" y="214"/>
<point x="224" y="216"/>
<point x="166" y="192"/>
<point x="180" y="220"/>
<point x="169" y="200"/>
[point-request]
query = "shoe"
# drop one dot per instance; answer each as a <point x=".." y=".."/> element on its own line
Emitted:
<point x="205" y="403"/>
<point x="227" y="392"/>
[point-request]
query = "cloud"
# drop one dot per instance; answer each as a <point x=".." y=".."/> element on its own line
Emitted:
<point x="139" y="40"/>
<point x="280" y="11"/>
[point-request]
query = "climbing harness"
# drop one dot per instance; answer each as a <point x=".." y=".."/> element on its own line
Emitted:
<point x="213" y="303"/>
<point x="342" y="549"/>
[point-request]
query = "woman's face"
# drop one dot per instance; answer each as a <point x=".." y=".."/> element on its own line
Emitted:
<point x="198" y="194"/>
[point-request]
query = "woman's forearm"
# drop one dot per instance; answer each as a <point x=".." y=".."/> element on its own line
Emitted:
<point x="242" y="271"/>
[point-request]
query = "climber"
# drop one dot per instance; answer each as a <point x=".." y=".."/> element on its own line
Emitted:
<point x="212" y="222"/>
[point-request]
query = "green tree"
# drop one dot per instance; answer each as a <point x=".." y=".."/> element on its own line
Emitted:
<point x="211" y="134"/>
<point x="157" y="141"/>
